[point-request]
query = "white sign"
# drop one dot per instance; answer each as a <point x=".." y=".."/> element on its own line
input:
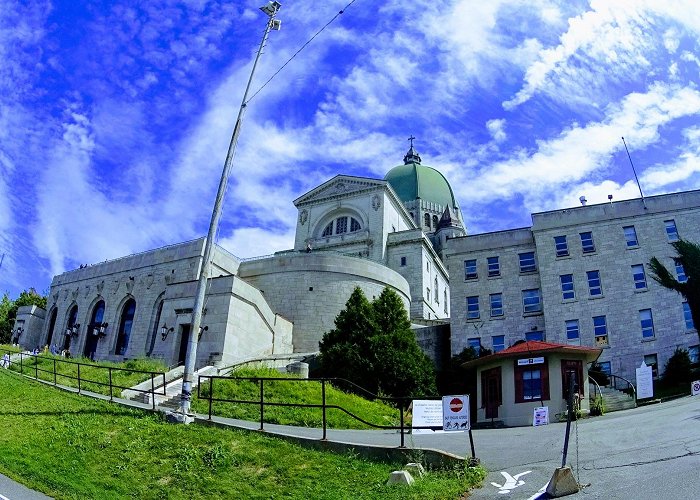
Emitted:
<point x="645" y="382"/>
<point x="426" y="412"/>
<point x="455" y="413"/>
<point x="695" y="388"/>
<point x="540" y="416"/>
<point x="530" y="361"/>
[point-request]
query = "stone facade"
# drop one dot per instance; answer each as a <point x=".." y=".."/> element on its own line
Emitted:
<point x="618" y="306"/>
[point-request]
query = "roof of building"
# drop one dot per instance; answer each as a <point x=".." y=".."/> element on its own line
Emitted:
<point x="535" y="348"/>
<point x="412" y="180"/>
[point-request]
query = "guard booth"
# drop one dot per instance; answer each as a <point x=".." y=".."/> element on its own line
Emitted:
<point x="528" y="375"/>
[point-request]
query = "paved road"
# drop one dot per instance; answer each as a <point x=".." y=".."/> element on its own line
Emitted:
<point x="11" y="490"/>
<point x="652" y="452"/>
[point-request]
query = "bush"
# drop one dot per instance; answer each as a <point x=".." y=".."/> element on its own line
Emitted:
<point x="597" y="407"/>
<point x="678" y="368"/>
<point x="597" y="374"/>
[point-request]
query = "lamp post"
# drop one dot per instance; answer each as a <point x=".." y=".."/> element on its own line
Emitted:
<point x="182" y="414"/>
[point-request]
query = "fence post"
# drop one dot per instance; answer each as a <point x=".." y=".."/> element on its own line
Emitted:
<point x="54" y="371"/>
<point x="36" y="367"/>
<point x="402" y="422"/>
<point x="78" y="378"/>
<point x="211" y="394"/>
<point x="323" y="403"/>
<point x="153" y="391"/>
<point x="110" y="383"/>
<point x="262" y="404"/>
<point x="21" y="364"/>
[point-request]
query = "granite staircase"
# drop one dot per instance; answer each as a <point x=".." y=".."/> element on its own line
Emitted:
<point x="616" y="400"/>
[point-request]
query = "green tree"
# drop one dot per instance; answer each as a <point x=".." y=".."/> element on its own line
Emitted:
<point x="678" y="368"/>
<point x="687" y="254"/>
<point x="8" y="310"/>
<point x="373" y="346"/>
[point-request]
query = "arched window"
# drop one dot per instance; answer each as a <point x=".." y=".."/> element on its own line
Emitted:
<point x="98" y="314"/>
<point x="437" y="295"/>
<point x="156" y="326"/>
<point x="426" y="219"/>
<point x="435" y="221"/>
<point x="340" y="225"/>
<point x="52" y="325"/>
<point x="445" y="301"/>
<point x="125" y="324"/>
<point x="72" y="319"/>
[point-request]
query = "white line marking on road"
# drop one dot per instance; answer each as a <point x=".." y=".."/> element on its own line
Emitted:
<point x="511" y="482"/>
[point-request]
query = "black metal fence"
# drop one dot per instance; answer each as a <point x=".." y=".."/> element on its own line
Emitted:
<point x="34" y="364"/>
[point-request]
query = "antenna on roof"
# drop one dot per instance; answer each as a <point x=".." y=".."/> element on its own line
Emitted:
<point x="635" y="174"/>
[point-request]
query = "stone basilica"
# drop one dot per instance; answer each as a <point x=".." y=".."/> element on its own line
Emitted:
<point x="351" y="232"/>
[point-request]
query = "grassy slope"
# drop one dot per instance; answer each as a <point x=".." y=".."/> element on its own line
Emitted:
<point x="72" y="446"/>
<point x="298" y="392"/>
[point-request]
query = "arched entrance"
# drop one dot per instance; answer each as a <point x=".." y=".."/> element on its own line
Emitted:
<point x="72" y="318"/>
<point x="125" y="324"/>
<point x="90" y="337"/>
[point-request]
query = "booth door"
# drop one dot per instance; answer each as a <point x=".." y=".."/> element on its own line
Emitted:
<point x="491" y="391"/>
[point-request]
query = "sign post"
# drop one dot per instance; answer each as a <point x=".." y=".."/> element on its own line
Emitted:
<point x="695" y="388"/>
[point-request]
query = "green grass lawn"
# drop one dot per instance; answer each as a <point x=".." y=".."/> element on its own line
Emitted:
<point x="72" y="446"/>
<point x="95" y="376"/>
<point x="293" y="390"/>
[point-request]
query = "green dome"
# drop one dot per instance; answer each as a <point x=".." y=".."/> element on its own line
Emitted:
<point x="413" y="180"/>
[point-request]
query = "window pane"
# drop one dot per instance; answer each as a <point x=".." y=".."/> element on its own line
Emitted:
<point x="531" y="301"/>
<point x="470" y="269"/>
<point x="680" y="271"/>
<point x="594" y="287"/>
<point x="473" y="307"/>
<point x="532" y="384"/>
<point x="572" y="332"/>
<point x="496" y="304"/>
<point x="647" y="323"/>
<point x="688" y="317"/>
<point x="567" y="286"/>
<point x="640" y="281"/>
<point x="671" y="231"/>
<point x="527" y="262"/>
<point x="651" y="360"/>
<point x="630" y="236"/>
<point x="694" y="354"/>
<point x="536" y="335"/>
<point x="341" y="225"/>
<point x="498" y="342"/>
<point x="354" y="225"/>
<point x="561" y="246"/>
<point x="494" y="266"/>
<point x="426" y="220"/>
<point x="587" y="242"/>
<point x="475" y="343"/>
<point x="600" y="330"/>
<point x="328" y="230"/>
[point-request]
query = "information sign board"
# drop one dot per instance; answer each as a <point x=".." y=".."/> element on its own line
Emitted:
<point x="426" y="412"/>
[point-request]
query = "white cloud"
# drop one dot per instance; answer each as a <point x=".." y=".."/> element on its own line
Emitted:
<point x="496" y="129"/>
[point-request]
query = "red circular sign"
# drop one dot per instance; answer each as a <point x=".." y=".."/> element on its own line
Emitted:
<point x="456" y="405"/>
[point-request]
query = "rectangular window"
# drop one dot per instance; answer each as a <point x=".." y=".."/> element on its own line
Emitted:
<point x="531" y="382"/>
<point x="475" y="343"/>
<point x="680" y="271"/>
<point x="630" y="236"/>
<point x="531" y="301"/>
<point x="403" y="261"/>
<point x="671" y="230"/>
<point x="498" y="342"/>
<point x="587" y="244"/>
<point x="470" y="269"/>
<point x="427" y="294"/>
<point x="573" y="336"/>
<point x="494" y="266"/>
<point x="527" y="262"/>
<point x="646" y="322"/>
<point x="496" y="300"/>
<point x="473" y="307"/>
<point x="640" y="280"/>
<point x="688" y="317"/>
<point x="605" y="367"/>
<point x="536" y="335"/>
<point x="694" y="354"/>
<point x="651" y="360"/>
<point x="567" y="286"/>
<point x="561" y="246"/>
<point x="594" y="288"/>
<point x="600" y="330"/>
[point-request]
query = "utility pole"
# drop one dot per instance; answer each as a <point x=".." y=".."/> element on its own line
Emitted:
<point x="182" y="414"/>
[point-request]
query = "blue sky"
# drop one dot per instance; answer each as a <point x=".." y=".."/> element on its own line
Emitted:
<point x="115" y="116"/>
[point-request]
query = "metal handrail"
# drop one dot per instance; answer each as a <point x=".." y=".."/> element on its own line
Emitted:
<point x="629" y="385"/>
<point x="400" y="401"/>
<point x="596" y="386"/>
<point x="81" y="380"/>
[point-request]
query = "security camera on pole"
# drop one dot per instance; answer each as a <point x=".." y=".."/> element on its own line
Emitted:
<point x="182" y="414"/>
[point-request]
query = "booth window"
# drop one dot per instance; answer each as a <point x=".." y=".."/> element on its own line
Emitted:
<point x="531" y="382"/>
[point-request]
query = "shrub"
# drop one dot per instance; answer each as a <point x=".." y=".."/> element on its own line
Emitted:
<point x="678" y="368"/>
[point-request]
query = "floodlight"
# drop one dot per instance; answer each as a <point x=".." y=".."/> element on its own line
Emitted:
<point x="271" y="8"/>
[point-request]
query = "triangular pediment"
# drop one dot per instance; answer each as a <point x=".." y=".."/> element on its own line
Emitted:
<point x="339" y="186"/>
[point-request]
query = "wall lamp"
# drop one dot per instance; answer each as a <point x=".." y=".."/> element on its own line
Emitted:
<point x="73" y="330"/>
<point x="202" y="329"/>
<point x="165" y="331"/>
<point x="98" y="329"/>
